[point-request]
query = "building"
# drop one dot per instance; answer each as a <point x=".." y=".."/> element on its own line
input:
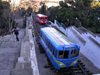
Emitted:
<point x="32" y="3"/>
<point x="15" y="3"/>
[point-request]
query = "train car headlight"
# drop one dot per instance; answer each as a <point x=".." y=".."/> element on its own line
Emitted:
<point x="45" y="21"/>
<point x="61" y="64"/>
<point x="75" y="61"/>
<point x="41" y="21"/>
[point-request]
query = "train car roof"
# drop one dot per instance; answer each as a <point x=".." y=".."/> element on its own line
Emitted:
<point x="57" y="38"/>
<point x="41" y="15"/>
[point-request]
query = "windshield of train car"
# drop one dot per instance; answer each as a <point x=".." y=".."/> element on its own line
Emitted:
<point x="42" y="18"/>
<point x="45" y="18"/>
<point x="74" y="53"/>
<point x="63" y="54"/>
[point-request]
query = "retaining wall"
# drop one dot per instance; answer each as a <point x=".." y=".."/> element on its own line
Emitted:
<point x="27" y="57"/>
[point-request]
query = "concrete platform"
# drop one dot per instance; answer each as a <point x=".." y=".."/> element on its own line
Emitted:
<point x="9" y="53"/>
<point x="21" y="72"/>
<point x="90" y="66"/>
<point x="4" y="72"/>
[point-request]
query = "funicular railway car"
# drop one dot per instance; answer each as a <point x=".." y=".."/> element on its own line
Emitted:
<point x="42" y="19"/>
<point x="61" y="51"/>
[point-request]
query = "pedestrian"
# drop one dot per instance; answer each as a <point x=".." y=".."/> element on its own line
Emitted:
<point x="16" y="33"/>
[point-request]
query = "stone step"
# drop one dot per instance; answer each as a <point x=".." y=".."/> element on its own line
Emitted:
<point x="23" y="66"/>
<point x="9" y="50"/>
<point x="7" y="38"/>
<point x="12" y="37"/>
<point x="21" y="72"/>
<point x="8" y="57"/>
<point x="10" y="44"/>
<point x="25" y="49"/>
<point x="4" y="72"/>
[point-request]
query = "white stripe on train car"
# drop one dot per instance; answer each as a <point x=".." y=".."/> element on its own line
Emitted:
<point x="59" y="36"/>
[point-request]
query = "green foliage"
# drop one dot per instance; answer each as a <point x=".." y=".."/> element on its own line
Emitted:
<point x="43" y="9"/>
<point x="4" y="5"/>
<point x="80" y="4"/>
<point x="53" y="13"/>
<point x="87" y="3"/>
<point x="67" y="15"/>
<point x="95" y="4"/>
<point x="94" y="19"/>
<point x="68" y="0"/>
<point x="29" y="11"/>
<point x="79" y="13"/>
<point x="6" y="17"/>
<point x="94" y="30"/>
<point x="62" y="4"/>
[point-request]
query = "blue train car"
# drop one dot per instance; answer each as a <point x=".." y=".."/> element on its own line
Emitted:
<point x="61" y="51"/>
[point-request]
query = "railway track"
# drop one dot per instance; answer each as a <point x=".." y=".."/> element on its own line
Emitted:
<point x="78" y="70"/>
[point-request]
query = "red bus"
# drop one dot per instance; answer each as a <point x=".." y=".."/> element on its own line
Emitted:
<point x="42" y="19"/>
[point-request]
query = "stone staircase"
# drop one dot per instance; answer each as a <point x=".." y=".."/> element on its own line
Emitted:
<point x="9" y="53"/>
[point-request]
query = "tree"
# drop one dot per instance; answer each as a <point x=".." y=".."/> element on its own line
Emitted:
<point x="79" y="4"/>
<point x="87" y="3"/>
<point x="53" y="13"/>
<point x="29" y="11"/>
<point x="43" y="9"/>
<point x="6" y="16"/>
<point x="81" y="12"/>
<point x="4" y="8"/>
<point x="63" y="4"/>
<point x="94" y="21"/>
<point x="95" y="4"/>
<point x="68" y="0"/>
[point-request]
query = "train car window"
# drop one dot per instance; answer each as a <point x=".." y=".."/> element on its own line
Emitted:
<point x="63" y="54"/>
<point x="40" y="33"/>
<point x="49" y="46"/>
<point x="45" y="18"/>
<point x="74" y="53"/>
<point x="55" y="53"/>
<point x="47" y="42"/>
<point x="42" y="37"/>
<point x="66" y="54"/>
<point x="41" y="18"/>
<point x="45" y="39"/>
<point x="60" y="54"/>
<point x="52" y="48"/>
